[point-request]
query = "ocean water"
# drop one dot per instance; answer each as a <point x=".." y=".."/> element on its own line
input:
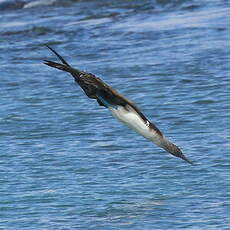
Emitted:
<point x="65" y="163"/>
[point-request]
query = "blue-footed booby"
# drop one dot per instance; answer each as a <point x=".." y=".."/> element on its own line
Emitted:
<point x="121" y="108"/>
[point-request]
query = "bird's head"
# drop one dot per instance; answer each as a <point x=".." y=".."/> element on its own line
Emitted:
<point x="175" y="150"/>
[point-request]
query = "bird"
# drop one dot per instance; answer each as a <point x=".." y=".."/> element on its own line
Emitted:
<point x="121" y="108"/>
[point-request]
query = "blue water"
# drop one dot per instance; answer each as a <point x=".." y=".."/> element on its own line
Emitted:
<point x="65" y="163"/>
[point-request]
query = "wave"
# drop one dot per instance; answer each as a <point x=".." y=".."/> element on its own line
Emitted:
<point x="19" y="4"/>
<point x="39" y="3"/>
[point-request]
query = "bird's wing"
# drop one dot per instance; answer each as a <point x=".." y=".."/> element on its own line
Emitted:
<point x="93" y="86"/>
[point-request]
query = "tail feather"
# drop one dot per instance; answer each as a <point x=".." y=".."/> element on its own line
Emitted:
<point x="57" y="65"/>
<point x="74" y="72"/>
<point x="59" y="56"/>
<point x="64" y="67"/>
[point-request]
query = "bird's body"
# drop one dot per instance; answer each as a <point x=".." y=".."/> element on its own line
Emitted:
<point x="121" y="108"/>
<point x="133" y="120"/>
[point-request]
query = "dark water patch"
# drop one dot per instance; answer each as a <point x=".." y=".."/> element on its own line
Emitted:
<point x="34" y="31"/>
<point x="204" y="101"/>
<point x="11" y="4"/>
<point x="190" y="7"/>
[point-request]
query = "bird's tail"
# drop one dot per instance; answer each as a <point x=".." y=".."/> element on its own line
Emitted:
<point x="58" y="66"/>
<point x="64" y="67"/>
<point x="59" y="56"/>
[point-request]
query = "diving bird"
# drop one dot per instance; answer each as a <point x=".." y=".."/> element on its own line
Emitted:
<point x="121" y="108"/>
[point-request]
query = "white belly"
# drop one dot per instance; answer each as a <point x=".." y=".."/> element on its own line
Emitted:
<point x="134" y="122"/>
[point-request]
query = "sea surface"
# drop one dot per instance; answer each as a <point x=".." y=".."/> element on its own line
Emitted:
<point x="65" y="163"/>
